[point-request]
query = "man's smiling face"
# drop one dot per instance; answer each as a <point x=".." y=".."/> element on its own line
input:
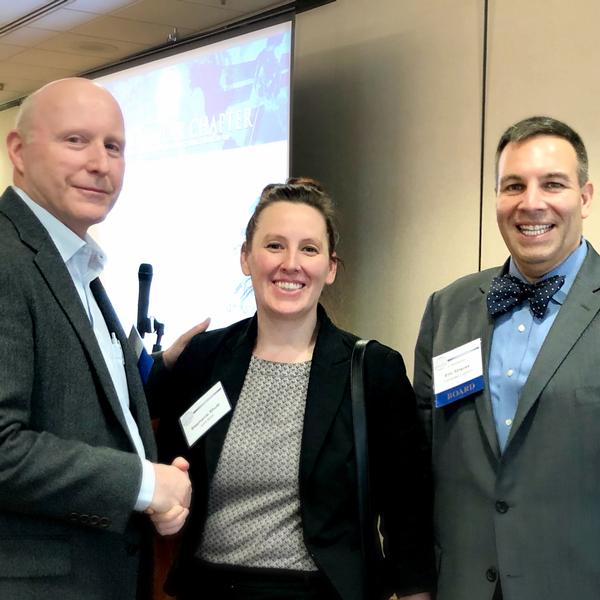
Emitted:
<point x="540" y="205"/>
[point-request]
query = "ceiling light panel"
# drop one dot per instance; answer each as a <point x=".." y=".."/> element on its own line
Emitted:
<point x="28" y="12"/>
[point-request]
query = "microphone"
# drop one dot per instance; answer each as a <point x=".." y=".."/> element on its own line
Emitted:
<point x="145" y="279"/>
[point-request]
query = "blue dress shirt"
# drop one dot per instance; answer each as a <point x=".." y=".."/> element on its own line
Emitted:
<point x="516" y="342"/>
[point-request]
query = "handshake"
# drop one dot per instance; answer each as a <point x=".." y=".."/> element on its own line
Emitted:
<point x="170" y="504"/>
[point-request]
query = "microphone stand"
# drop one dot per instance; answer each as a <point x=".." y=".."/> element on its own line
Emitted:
<point x="151" y="325"/>
<point x="159" y="330"/>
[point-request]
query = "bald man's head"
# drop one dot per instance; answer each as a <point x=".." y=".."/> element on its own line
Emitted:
<point x="67" y="151"/>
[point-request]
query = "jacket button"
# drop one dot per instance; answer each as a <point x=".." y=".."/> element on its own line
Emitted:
<point x="104" y="522"/>
<point x="94" y="520"/>
<point x="501" y="507"/>
<point x="491" y="574"/>
<point x="132" y="549"/>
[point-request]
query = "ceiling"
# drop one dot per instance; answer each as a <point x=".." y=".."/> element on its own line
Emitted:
<point x="42" y="40"/>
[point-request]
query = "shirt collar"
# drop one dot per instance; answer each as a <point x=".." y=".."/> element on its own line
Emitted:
<point x="67" y="242"/>
<point x="568" y="268"/>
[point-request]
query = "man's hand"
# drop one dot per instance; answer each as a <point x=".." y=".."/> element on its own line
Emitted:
<point x="170" y="522"/>
<point x="172" y="487"/>
<point x="171" y="354"/>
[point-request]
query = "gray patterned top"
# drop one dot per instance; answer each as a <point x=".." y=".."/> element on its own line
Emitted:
<point x="254" y="504"/>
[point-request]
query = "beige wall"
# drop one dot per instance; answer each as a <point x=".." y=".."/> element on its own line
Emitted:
<point x="387" y="112"/>
<point x="7" y="120"/>
<point x="543" y="60"/>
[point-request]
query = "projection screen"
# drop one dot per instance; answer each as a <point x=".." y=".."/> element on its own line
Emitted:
<point x="206" y="130"/>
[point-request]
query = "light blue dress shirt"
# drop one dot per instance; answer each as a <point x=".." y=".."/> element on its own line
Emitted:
<point x="85" y="261"/>
<point x="516" y="342"/>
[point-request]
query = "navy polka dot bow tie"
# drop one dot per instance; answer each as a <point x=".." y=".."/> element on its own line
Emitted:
<point x="507" y="291"/>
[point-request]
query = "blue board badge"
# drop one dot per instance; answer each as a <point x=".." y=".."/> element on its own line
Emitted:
<point x="144" y="360"/>
<point x="457" y="373"/>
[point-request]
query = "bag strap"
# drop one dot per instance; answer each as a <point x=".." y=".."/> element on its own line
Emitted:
<point x="359" y="422"/>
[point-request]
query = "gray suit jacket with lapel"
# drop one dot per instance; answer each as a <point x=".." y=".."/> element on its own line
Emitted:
<point x="532" y="514"/>
<point x="69" y="475"/>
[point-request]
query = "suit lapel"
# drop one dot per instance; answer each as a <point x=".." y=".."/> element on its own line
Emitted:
<point x="580" y="307"/>
<point x="137" y="399"/>
<point x="230" y="369"/>
<point x="483" y="401"/>
<point x="60" y="284"/>
<point x="327" y="387"/>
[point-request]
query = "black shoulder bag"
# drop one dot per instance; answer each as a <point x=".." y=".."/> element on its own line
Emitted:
<point x="359" y="422"/>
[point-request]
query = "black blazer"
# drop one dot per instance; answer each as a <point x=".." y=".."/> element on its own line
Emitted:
<point x="328" y="494"/>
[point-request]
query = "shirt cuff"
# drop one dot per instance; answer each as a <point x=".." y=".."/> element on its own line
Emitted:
<point x="146" y="492"/>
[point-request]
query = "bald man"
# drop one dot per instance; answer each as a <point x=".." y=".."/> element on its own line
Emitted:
<point x="77" y="452"/>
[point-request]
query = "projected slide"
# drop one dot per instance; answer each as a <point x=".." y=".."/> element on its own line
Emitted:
<point x="206" y="131"/>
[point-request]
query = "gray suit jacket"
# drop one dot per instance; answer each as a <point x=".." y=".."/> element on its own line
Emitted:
<point x="69" y="475"/>
<point x="532" y="514"/>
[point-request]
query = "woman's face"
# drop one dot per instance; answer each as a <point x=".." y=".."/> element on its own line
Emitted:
<point x="289" y="261"/>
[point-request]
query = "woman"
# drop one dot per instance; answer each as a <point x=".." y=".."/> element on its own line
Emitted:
<point x="274" y="510"/>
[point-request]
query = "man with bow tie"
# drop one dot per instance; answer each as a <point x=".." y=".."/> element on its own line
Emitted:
<point x="516" y="457"/>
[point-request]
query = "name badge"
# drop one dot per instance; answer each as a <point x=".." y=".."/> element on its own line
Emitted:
<point x="457" y="373"/>
<point x="204" y="413"/>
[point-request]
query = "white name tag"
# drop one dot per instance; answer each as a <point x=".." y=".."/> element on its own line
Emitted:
<point x="457" y="373"/>
<point x="204" y="413"/>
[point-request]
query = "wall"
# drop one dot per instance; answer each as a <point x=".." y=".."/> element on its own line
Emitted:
<point x="543" y="60"/>
<point x="388" y="113"/>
